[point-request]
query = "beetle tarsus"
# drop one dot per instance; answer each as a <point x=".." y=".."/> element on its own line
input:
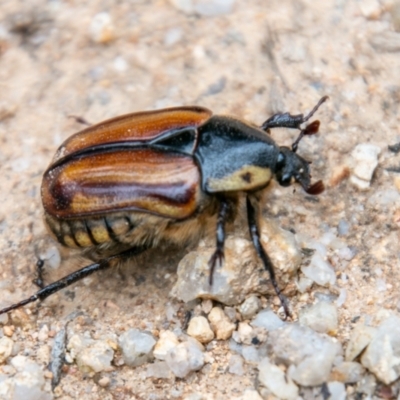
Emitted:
<point x="255" y="236"/>
<point x="218" y="256"/>
<point x="286" y="120"/>
<point x="38" y="281"/>
<point x="74" y="277"/>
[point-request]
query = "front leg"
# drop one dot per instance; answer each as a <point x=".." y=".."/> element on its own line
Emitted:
<point x="218" y="256"/>
<point x="252" y="217"/>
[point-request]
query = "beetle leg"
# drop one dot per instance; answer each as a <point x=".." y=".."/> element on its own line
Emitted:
<point x="252" y="217"/>
<point x="38" y="281"/>
<point x="218" y="256"/>
<point x="286" y="120"/>
<point x="74" y="277"/>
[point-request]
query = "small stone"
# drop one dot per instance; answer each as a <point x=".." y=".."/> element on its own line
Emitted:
<point x="199" y="328"/>
<point x="206" y="8"/>
<point x="231" y="313"/>
<point x="250" y="354"/>
<point x="320" y="271"/>
<point x="221" y="324"/>
<point x="8" y="330"/>
<point x="250" y="307"/>
<point x="250" y="394"/>
<point x="382" y="356"/>
<point x="367" y="385"/>
<point x="303" y="284"/>
<point x="102" y="28"/>
<point x="365" y="160"/>
<point x="348" y="372"/>
<point x="28" y="383"/>
<point x="321" y="317"/>
<point x="309" y="354"/>
<point x="337" y="391"/>
<point x="184" y="358"/>
<point x="343" y="227"/>
<point x="6" y="345"/>
<point x="43" y="333"/>
<point x="52" y="257"/>
<point x="360" y="338"/>
<point x="136" y="347"/>
<point x="370" y="9"/>
<point x="95" y="358"/>
<point x="206" y="306"/>
<point x="267" y="319"/>
<point x="159" y="370"/>
<point x="165" y="343"/>
<point x="275" y="380"/>
<point x="242" y="273"/>
<point x="236" y="365"/>
<point x="104" y="381"/>
<point x="245" y="332"/>
<point x="172" y="36"/>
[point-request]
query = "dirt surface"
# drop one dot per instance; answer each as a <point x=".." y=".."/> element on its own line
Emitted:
<point x="259" y="58"/>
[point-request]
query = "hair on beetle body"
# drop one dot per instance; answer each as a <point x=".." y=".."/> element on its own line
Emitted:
<point x="118" y="188"/>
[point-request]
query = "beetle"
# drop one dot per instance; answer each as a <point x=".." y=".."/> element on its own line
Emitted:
<point x="130" y="183"/>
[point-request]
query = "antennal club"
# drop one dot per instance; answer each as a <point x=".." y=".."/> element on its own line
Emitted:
<point x="310" y="129"/>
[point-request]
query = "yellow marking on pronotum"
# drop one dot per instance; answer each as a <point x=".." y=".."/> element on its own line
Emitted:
<point x="248" y="177"/>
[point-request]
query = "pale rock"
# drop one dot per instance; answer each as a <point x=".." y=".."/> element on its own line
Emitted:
<point x="102" y="29"/>
<point x="370" y="9"/>
<point x="267" y="319"/>
<point x="309" y="354"/>
<point x="27" y="384"/>
<point x="95" y="358"/>
<point x="275" y="380"/>
<point x="206" y="306"/>
<point x="236" y="365"/>
<point x="250" y="354"/>
<point x="6" y="345"/>
<point x="348" y="372"/>
<point x="199" y="328"/>
<point x="321" y="317"/>
<point x="242" y="272"/>
<point x="250" y="394"/>
<point x="246" y="333"/>
<point x="221" y="324"/>
<point x="320" y="271"/>
<point x="165" y="343"/>
<point x="137" y="347"/>
<point x="303" y="284"/>
<point x="360" y="338"/>
<point x="206" y="8"/>
<point x="250" y="307"/>
<point x="337" y="390"/>
<point x="159" y="370"/>
<point x="365" y="160"/>
<point x="382" y="356"/>
<point x="184" y="358"/>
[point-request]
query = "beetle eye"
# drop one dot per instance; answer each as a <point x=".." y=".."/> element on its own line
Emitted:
<point x="280" y="162"/>
<point x="285" y="180"/>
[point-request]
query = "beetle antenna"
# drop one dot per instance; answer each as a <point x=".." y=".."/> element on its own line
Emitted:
<point x="310" y="129"/>
<point x="314" y="110"/>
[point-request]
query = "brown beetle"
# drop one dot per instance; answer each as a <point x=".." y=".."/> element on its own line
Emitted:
<point x="132" y="182"/>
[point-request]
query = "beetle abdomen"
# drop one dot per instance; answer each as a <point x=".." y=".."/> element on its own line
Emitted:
<point x="108" y="234"/>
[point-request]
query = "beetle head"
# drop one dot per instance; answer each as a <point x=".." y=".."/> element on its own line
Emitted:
<point x="290" y="168"/>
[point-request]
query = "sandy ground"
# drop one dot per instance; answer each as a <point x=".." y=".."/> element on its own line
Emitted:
<point x="259" y="58"/>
